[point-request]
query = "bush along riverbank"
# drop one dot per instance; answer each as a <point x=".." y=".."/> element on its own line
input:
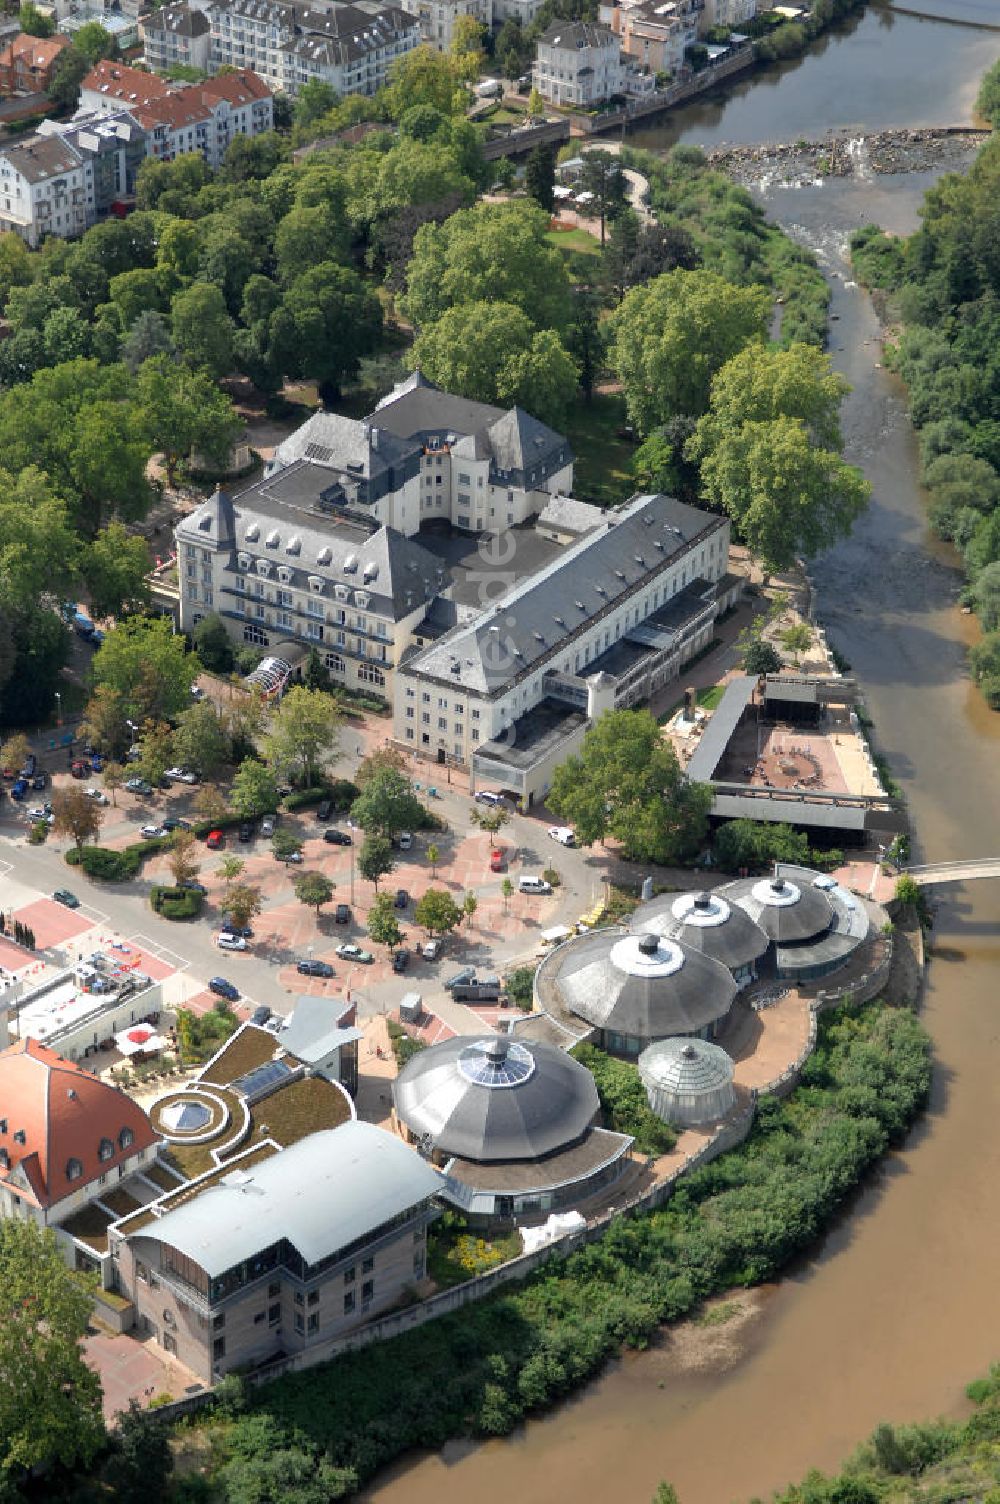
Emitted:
<point x="737" y="1221"/>
<point x="938" y="292"/>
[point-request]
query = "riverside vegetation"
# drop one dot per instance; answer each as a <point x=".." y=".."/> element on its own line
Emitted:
<point x="941" y="294"/>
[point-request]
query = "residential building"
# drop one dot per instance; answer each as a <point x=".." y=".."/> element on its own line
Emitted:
<point x="425" y="456"/>
<point x="731" y="13"/>
<point x="180" y="118"/>
<point x="79" y="1011"/>
<point x="524" y="11"/>
<point x="176" y="35"/>
<point x="656" y="33"/>
<point x="437" y="18"/>
<point x="26" y="63"/>
<point x="114" y="145"/>
<point x="65" y="1136"/>
<point x="350" y="47"/>
<point x="510" y="690"/>
<point x="578" y="64"/>
<point x="282" y="1255"/>
<point x="290" y="561"/>
<point x="46" y="188"/>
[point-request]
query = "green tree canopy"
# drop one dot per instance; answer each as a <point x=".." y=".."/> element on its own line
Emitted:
<point x="201" y="741"/>
<point x="38" y="548"/>
<point x="437" y="912"/>
<point x="114" y="568"/>
<point x="387" y="804"/>
<point x="493" y="253"/>
<point x="375" y="859"/>
<point x="303" y="734"/>
<point x="626" y="782"/>
<point x="328" y="320"/>
<point x="672" y="335"/>
<point x="182" y="412"/>
<point x="313" y="889"/>
<point x="761" y="384"/>
<point x="148" y="665"/>
<point x="213" y="644"/>
<point x="202" y="329"/>
<point x="254" y="791"/>
<point x="426" y="76"/>
<point x="383" y="926"/>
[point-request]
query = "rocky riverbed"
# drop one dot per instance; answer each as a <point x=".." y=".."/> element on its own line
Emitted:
<point x="842" y="155"/>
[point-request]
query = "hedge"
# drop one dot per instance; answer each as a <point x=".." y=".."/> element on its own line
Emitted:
<point x="176" y="903"/>
<point x="116" y="866"/>
<point x="303" y="798"/>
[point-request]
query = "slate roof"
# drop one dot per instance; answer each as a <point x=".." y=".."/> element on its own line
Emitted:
<point x="577" y="35"/>
<point x="42" y="157"/>
<point x="181" y="20"/>
<point x="345" y="33"/>
<point x="535" y="619"/>
<point x="341" y="443"/>
<point x="566" y="514"/>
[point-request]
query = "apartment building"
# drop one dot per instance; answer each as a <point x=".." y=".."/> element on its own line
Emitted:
<point x="731" y="13"/>
<point x="46" y="188"/>
<point x="26" y="63"/>
<point x="284" y="1255"/>
<point x="578" y="64"/>
<point x="287" y="561"/>
<point x="437" y="18"/>
<point x="655" y="33"/>
<point x="176" y="35"/>
<point x="509" y="691"/>
<point x="350" y="47"/>
<point x="180" y="118"/>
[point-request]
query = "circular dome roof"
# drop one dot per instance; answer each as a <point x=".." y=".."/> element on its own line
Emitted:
<point x="706" y="922"/>
<point x="685" y="1065"/>
<point x="640" y="985"/>
<point x="186" y="1115"/>
<point x="784" y="910"/>
<point x="494" y="1098"/>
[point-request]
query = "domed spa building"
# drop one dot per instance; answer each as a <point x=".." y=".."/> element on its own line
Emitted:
<point x="709" y="923"/>
<point x="511" y="1124"/>
<point x="688" y="1081"/>
<point x="633" y="989"/>
<point x="813" y="924"/>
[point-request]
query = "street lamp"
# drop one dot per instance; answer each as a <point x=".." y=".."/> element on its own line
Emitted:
<point x="58" y="708"/>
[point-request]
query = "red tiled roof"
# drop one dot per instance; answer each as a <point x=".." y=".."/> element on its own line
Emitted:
<point x="130" y="85"/>
<point x="55" y="1116"/>
<point x="174" y="112"/>
<point x="41" y="52"/>
<point x="239" y="87"/>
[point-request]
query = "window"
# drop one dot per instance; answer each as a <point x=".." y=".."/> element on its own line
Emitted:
<point x="218" y="1322"/>
<point x="74" y="1169"/>
<point x="219" y="1348"/>
<point x="312" y="1299"/>
<point x="300" y="1325"/>
<point x="367" y="1265"/>
<point x="370" y="675"/>
<point x="425" y="717"/>
<point x="298" y="1297"/>
<point x="349" y="1276"/>
<point x="260" y="1318"/>
<point x="348" y="1303"/>
<point x="274" y="1315"/>
<point x="418" y="1265"/>
<point x="106" y="1149"/>
<point x="312" y="1324"/>
<point x="442" y="723"/>
<point x="126" y="1139"/>
<point x="274" y="1289"/>
<point x="368" y="1289"/>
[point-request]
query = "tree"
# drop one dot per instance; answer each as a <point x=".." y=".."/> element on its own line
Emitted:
<point x="492" y="819"/>
<point x="536" y="105"/>
<point x="487" y="351"/>
<point x="387" y="804"/>
<point x="673" y="334"/>
<point x="75" y="815"/>
<point x="38" y="546"/>
<point x="437" y="912"/>
<point x="470" y="903"/>
<point x="467" y="46"/>
<point x="182" y="858"/>
<point x="433" y="857"/>
<point x="314" y="100"/>
<point x="156" y="750"/>
<point x="254" y="791"/>
<point x="329" y="318"/>
<point x="988" y="99"/>
<point x="149" y="667"/>
<point x="603" y="176"/>
<point x="493" y="253"/>
<point x="760" y="657"/>
<point x="313" y="889"/>
<point x="787" y="496"/>
<point x="386" y="759"/>
<point x="114" y="777"/>
<point x="115" y="569"/>
<point x="34" y="23"/>
<point x="202" y="329"/>
<point x="317" y="675"/>
<point x="15" y="751"/>
<point x="147" y="337"/>
<point x="665" y="1494"/>
<point x="285" y="843"/>
<point x="230" y="868"/>
<point x="584" y="340"/>
<point x="984" y="661"/>
<point x="241" y="901"/>
<point x="141" y="1461"/>
<point x="182" y="412"/>
<point x="759" y="385"/>
<point x="626" y="782"/>
<point x="383" y="926"/>
<point x="213" y="644"/>
<point x="986" y="597"/>
<point x="375" y="859"/>
<point x="201" y="741"/>
<point x="540" y="177"/>
<point x="51" y="1415"/>
<point x="303" y="734"/>
<point x="94" y="43"/>
<point x="797" y="639"/>
<point x="210" y="805"/>
<point x="756" y="844"/>
<point x="105" y="721"/>
<point x="507" y="889"/>
<point x="425" y="76"/>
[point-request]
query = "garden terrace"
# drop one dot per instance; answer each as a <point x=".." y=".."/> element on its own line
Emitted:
<point x="248" y="1048"/>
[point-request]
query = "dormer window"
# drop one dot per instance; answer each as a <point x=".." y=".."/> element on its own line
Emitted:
<point x="126" y="1138"/>
<point x="4" y="1160"/>
<point x="294" y="545"/>
<point x="273" y="539"/>
<point x="351" y="564"/>
<point x="243" y="560"/>
<point x="74" y="1169"/>
<point x="315" y="584"/>
<point x="362" y="597"/>
<point x="264" y="568"/>
<point x="284" y="574"/>
<point x="19" y="1136"/>
<point x="252" y="533"/>
<point x="324" y="556"/>
<point x="341" y="592"/>
<point x="106" y="1149"/>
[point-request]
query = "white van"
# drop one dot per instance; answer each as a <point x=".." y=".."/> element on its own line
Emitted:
<point x="555" y="936"/>
<point x="563" y="834"/>
<point x="533" y="885"/>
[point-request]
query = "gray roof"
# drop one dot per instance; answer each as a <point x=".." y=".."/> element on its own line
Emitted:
<point x="491" y="1099"/>
<point x="345" y="33"/>
<point x="688" y="1081"/>
<point x="566" y="514"/>
<point x="395" y="572"/>
<point x="359" y="447"/>
<point x="850" y="927"/>
<point x="785" y="910"/>
<point x="314" y="1030"/>
<point x="577" y="35"/>
<point x="640" y="985"/>
<point x="717" y="734"/>
<point x="536" y="619"/>
<point x="704" y="922"/>
<point x="42" y="157"/>
<point x="181" y="20"/>
<point x="831" y="814"/>
<point x="324" y="1193"/>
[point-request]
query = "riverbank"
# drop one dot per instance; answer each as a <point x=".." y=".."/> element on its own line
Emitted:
<point x="844" y="155"/>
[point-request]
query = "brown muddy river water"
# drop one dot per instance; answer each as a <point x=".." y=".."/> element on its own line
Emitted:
<point x="898" y="1308"/>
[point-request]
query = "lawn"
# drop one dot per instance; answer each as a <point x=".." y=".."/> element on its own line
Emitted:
<point x="580" y="241"/>
<point x="603" y="461"/>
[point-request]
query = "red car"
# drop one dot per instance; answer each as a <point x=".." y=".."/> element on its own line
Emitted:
<point x="215" y="840"/>
<point x="80" y="769"/>
<point x="498" y="859"/>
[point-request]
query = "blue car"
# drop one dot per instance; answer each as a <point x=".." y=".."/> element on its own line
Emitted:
<point x="97" y="762"/>
<point x="225" y="989"/>
<point x="20" y="789"/>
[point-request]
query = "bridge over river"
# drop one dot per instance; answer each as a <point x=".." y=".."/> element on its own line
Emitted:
<point x="954" y="872"/>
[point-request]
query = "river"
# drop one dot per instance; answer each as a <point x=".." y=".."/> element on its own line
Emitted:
<point x="896" y="1309"/>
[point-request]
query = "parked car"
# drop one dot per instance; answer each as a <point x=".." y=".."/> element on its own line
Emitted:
<point x="225" y="941"/>
<point x="215" y="840"/>
<point x="430" y="950"/>
<point x="96" y="762"/>
<point x="83" y="625"/>
<point x="20" y="789"/>
<point x="152" y="832"/>
<point x="40" y="781"/>
<point x="65" y="897"/>
<point x="315" y="969"/>
<point x="260" y="1015"/>
<point x="181" y="775"/>
<point x="79" y="769"/>
<point x="349" y="952"/>
<point x="174" y="822"/>
<point x="229" y="928"/>
<point x="267" y="825"/>
<point x="402" y="898"/>
<point x="197" y="693"/>
<point x="342" y="914"/>
<point x="337" y="838"/>
<point x="400" y="960"/>
<point x="483" y="796"/>
<point x="246" y="830"/>
<point x="478" y="990"/>
<point x="563" y="834"/>
<point x="405" y="840"/>
<point x="467" y="974"/>
<point x="139" y="786"/>
<point x="532" y="884"/>
<point x="498" y="859"/>
<point x="30" y="766"/>
<point x="98" y="796"/>
<point x="324" y="810"/>
<point x="225" y="989"/>
<point x="40" y="812"/>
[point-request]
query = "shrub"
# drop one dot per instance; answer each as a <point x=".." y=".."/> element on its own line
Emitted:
<point x="551" y="875"/>
<point x="39" y="833"/>
<point x="176" y="903"/>
<point x="105" y="865"/>
<point x="623" y="1100"/>
<point x="342" y="793"/>
<point x="521" y="986"/>
<point x="304" y="798"/>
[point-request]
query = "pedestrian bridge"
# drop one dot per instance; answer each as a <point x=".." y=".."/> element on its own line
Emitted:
<point x="954" y="872"/>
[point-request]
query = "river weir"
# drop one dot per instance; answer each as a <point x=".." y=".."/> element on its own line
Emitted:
<point x="892" y="1314"/>
<point x="845" y="155"/>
